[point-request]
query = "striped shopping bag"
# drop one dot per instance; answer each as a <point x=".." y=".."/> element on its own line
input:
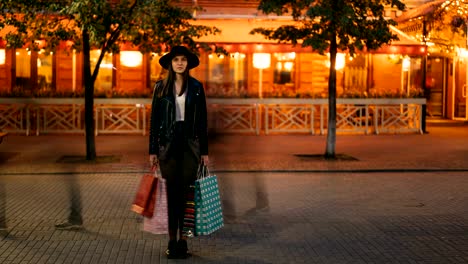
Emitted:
<point x="208" y="210"/>
<point x="188" y="229"/>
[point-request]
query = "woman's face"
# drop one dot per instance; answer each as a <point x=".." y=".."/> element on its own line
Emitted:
<point x="179" y="63"/>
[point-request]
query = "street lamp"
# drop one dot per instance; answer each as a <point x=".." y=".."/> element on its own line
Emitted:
<point x="261" y="61"/>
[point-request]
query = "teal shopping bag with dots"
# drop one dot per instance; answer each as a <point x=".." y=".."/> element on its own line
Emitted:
<point x="208" y="210"/>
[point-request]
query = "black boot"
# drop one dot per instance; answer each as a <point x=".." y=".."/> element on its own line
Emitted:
<point x="171" y="251"/>
<point x="182" y="249"/>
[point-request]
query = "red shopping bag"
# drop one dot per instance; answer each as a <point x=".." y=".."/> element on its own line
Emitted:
<point x="145" y="197"/>
<point x="158" y="223"/>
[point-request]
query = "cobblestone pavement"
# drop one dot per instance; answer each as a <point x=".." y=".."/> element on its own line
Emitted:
<point x="403" y="200"/>
<point x="444" y="148"/>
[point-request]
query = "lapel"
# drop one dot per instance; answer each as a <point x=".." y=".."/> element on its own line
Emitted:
<point x="188" y="101"/>
<point x="171" y="98"/>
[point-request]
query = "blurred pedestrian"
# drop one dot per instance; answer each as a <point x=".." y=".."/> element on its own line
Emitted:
<point x="3" y="225"/>
<point x="71" y="181"/>
<point x="75" y="219"/>
<point x="261" y="196"/>
<point x="178" y="140"/>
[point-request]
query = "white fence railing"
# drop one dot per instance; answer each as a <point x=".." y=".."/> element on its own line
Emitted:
<point x="15" y="117"/>
<point x="58" y="115"/>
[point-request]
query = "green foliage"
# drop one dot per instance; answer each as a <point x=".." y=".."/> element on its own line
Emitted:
<point x="356" y="24"/>
<point x="331" y="26"/>
<point x="149" y="25"/>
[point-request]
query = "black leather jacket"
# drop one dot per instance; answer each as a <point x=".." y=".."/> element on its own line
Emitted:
<point x="163" y="118"/>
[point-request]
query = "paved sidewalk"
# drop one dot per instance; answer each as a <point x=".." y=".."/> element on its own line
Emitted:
<point x="403" y="200"/>
<point x="444" y="148"/>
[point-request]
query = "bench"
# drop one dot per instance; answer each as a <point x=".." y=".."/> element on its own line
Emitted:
<point x="2" y="135"/>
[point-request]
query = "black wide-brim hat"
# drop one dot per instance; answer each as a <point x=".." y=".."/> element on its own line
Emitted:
<point x="192" y="59"/>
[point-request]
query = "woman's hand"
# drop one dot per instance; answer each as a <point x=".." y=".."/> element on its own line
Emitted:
<point x="154" y="162"/>
<point x="205" y="160"/>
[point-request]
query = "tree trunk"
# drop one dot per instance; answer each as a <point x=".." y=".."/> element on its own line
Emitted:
<point x="331" y="131"/>
<point x="89" y="99"/>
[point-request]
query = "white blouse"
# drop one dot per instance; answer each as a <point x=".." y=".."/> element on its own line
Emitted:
<point x="180" y="106"/>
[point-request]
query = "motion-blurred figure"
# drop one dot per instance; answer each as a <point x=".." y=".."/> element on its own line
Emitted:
<point x="75" y="220"/>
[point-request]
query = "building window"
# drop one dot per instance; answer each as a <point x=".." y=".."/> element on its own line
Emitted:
<point x="103" y="82"/>
<point x="156" y="71"/>
<point x="284" y="67"/>
<point x="237" y="73"/>
<point x="44" y="70"/>
<point x="353" y="73"/>
<point x="23" y="69"/>
<point x="216" y="76"/>
<point x="2" y="57"/>
<point x="131" y="59"/>
<point x="226" y="75"/>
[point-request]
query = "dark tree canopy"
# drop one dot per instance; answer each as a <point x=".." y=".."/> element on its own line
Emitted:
<point x="144" y="23"/>
<point x="149" y="25"/>
<point x="332" y="26"/>
<point x="357" y="24"/>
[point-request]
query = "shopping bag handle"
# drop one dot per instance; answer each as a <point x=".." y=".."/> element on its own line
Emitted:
<point x="156" y="171"/>
<point x="202" y="171"/>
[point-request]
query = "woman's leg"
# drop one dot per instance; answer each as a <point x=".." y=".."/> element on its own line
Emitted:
<point x="169" y="171"/>
<point x="175" y="187"/>
<point x="182" y="246"/>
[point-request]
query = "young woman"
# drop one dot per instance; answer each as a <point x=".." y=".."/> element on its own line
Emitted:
<point x="178" y="140"/>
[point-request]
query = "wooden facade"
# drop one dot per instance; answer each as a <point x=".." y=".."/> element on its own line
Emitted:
<point x="306" y="72"/>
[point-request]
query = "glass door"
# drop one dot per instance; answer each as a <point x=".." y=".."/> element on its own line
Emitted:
<point x="23" y="70"/>
<point x="460" y="98"/>
<point x="434" y="84"/>
<point x="461" y="102"/>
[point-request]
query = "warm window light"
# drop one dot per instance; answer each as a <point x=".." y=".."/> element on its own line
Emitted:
<point x="462" y="52"/>
<point x="406" y="64"/>
<point x="131" y="58"/>
<point x="42" y="51"/>
<point x="2" y="56"/>
<point x="339" y="62"/>
<point x="285" y="56"/>
<point x="237" y="56"/>
<point x="288" y="66"/>
<point x="217" y="57"/>
<point x="279" y="66"/>
<point x="106" y="65"/>
<point x="261" y="60"/>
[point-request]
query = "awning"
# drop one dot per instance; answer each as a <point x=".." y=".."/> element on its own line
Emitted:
<point x="237" y="30"/>
<point x="404" y="45"/>
<point x="403" y="38"/>
<point x="235" y="37"/>
<point x="419" y="11"/>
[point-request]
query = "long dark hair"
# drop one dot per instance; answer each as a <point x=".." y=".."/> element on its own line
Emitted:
<point x="168" y="82"/>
